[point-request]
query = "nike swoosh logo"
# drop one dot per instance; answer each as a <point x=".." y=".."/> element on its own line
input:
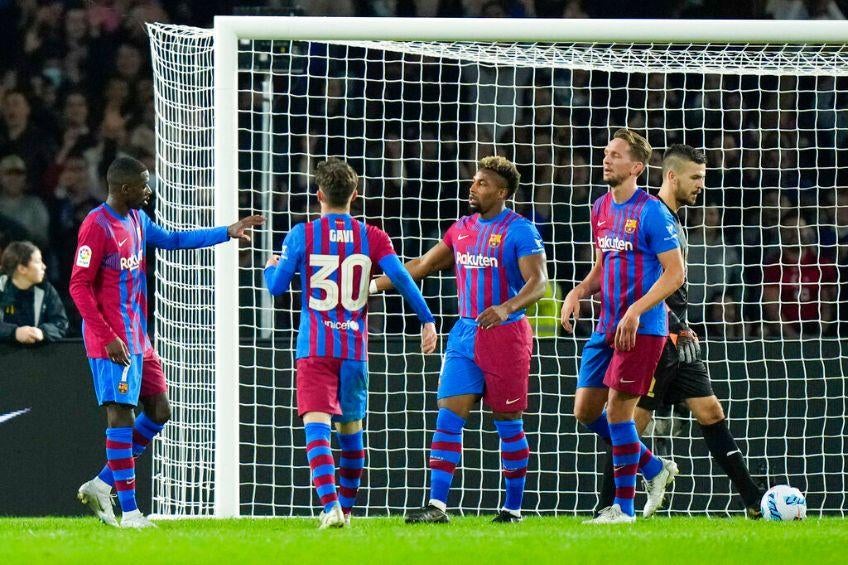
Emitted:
<point x="618" y="468"/>
<point x="122" y="242"/>
<point x="602" y="223"/>
<point x="130" y="481"/>
<point x="463" y="236"/>
<point x="628" y="382"/>
<point x="10" y="415"/>
<point x="729" y="453"/>
<point x="513" y="401"/>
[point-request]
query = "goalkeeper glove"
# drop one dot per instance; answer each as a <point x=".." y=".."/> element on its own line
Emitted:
<point x="688" y="346"/>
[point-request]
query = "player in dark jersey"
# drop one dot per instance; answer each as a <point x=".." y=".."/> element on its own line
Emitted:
<point x="109" y="287"/>
<point x="638" y="265"/>
<point x="335" y="256"/>
<point x="681" y="375"/>
<point x="499" y="260"/>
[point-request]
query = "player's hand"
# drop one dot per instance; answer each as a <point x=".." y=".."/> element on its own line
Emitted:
<point x="688" y="346"/>
<point x="28" y="335"/>
<point x="492" y="316"/>
<point x="429" y="338"/>
<point x="118" y="352"/>
<point x="241" y="228"/>
<point x="570" y="309"/>
<point x="625" y="333"/>
<point x="273" y="261"/>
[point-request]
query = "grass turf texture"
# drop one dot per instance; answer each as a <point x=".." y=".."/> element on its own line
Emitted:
<point x="389" y="540"/>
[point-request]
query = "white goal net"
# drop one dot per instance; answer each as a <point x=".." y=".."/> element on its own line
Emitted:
<point x="768" y="249"/>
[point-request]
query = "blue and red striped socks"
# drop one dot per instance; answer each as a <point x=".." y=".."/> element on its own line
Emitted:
<point x="351" y="466"/>
<point x="321" y="463"/>
<point x="601" y="427"/>
<point x="515" y="454"/>
<point x="626" y="449"/>
<point x="119" y="457"/>
<point x="649" y="465"/>
<point x="445" y="453"/>
<point x="144" y="431"/>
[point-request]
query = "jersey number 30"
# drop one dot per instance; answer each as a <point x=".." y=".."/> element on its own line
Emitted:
<point x="334" y="293"/>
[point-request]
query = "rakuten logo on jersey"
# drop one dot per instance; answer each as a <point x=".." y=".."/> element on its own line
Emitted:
<point x="131" y="263"/>
<point x="475" y="261"/>
<point x="346" y="325"/>
<point x="607" y="243"/>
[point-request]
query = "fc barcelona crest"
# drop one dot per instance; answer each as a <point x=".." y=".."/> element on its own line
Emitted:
<point x="123" y="387"/>
<point x="495" y="239"/>
<point x="630" y="225"/>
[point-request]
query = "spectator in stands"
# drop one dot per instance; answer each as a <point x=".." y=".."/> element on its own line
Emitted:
<point x="27" y="210"/>
<point x="714" y="265"/>
<point x="76" y="135"/>
<point x="804" y="10"/>
<point x="18" y="136"/>
<point x="31" y="311"/>
<point x="725" y="321"/>
<point x="73" y="199"/>
<point x="799" y="289"/>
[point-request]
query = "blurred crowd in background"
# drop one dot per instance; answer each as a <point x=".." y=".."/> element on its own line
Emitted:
<point x="768" y="252"/>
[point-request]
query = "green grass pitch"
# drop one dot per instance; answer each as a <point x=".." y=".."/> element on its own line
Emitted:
<point x="388" y="540"/>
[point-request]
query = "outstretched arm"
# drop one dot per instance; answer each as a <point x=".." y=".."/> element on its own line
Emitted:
<point x="280" y="269"/>
<point x="402" y="280"/>
<point x="437" y="258"/>
<point x="194" y="239"/>
<point x="277" y="275"/>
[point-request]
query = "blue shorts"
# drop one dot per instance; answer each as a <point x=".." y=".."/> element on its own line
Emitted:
<point x="460" y="373"/>
<point x="603" y="366"/>
<point x="594" y="361"/>
<point x="117" y="383"/>
<point x="338" y="387"/>
<point x="493" y="363"/>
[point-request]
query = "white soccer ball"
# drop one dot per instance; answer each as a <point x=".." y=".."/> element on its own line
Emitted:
<point x="782" y="503"/>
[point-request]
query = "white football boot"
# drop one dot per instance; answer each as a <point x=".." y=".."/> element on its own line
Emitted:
<point x="335" y="518"/>
<point x="135" y="519"/>
<point x="656" y="487"/>
<point x="611" y="515"/>
<point x="97" y="495"/>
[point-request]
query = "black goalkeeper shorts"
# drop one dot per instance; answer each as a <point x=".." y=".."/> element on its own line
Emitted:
<point x="674" y="381"/>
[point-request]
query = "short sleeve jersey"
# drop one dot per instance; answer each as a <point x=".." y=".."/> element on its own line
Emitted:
<point x="630" y="236"/>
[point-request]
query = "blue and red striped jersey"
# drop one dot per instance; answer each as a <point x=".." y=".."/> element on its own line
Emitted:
<point x="630" y="236"/>
<point x="335" y="255"/>
<point x="109" y="278"/>
<point x="486" y="254"/>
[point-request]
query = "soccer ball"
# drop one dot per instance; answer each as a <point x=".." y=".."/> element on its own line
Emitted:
<point x="782" y="503"/>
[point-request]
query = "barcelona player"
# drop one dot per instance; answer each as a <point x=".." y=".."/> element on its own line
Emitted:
<point x="681" y="374"/>
<point x="109" y="287"/>
<point x="335" y="256"/>
<point x="638" y="265"/>
<point x="499" y="261"/>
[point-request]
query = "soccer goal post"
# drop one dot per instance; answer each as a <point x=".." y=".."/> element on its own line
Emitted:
<point x="245" y="111"/>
